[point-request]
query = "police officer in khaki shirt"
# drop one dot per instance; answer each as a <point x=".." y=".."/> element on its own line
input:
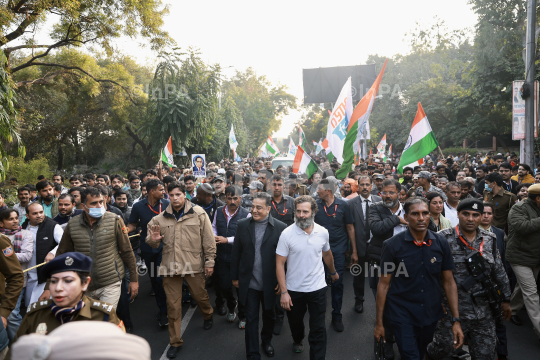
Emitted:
<point x="11" y="271"/>
<point x="501" y="199"/>
<point x="68" y="278"/>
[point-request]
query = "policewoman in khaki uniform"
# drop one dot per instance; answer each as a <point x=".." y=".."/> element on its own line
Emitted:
<point x="68" y="276"/>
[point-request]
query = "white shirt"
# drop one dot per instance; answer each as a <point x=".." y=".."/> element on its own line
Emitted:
<point x="21" y="210"/>
<point x="399" y="212"/>
<point x="305" y="270"/>
<point x="451" y="214"/>
<point x="230" y="239"/>
<point x="58" y="232"/>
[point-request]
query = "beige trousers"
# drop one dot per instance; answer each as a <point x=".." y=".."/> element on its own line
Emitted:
<point x="109" y="294"/>
<point x="173" y="289"/>
<point x="527" y="292"/>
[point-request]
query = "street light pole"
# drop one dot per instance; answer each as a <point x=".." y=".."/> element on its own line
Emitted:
<point x="529" y="80"/>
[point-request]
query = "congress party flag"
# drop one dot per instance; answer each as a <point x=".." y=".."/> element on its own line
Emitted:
<point x="302" y="138"/>
<point x="232" y="139"/>
<point x="167" y="154"/>
<point x="381" y="148"/>
<point x="303" y="164"/>
<point x="420" y="143"/>
<point x="338" y="123"/>
<point x="292" y="148"/>
<point x="271" y="147"/>
<point x="358" y="127"/>
<point x="315" y="143"/>
<point x="236" y="157"/>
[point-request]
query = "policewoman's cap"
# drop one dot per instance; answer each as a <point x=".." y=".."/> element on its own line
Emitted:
<point x="534" y="189"/>
<point x="71" y="261"/>
<point x="471" y="205"/>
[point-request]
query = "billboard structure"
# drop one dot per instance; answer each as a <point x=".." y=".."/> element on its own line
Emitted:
<point x="323" y="85"/>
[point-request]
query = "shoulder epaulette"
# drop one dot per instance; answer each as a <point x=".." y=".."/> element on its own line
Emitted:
<point x="100" y="305"/>
<point x="38" y="305"/>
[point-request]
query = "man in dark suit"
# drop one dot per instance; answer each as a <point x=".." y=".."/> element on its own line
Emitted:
<point x="253" y="272"/>
<point x="360" y="208"/>
<point x="386" y="219"/>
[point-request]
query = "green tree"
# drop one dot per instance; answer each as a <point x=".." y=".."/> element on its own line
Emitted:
<point x="183" y="104"/>
<point x="261" y="105"/>
<point x="8" y="119"/>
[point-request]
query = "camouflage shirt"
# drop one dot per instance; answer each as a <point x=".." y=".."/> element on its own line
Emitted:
<point x="478" y="308"/>
<point x="419" y="191"/>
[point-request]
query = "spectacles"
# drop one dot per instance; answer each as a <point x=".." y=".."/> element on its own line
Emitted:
<point x="391" y="193"/>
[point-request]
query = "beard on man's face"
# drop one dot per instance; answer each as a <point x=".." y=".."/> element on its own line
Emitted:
<point x="389" y="203"/>
<point x="304" y="223"/>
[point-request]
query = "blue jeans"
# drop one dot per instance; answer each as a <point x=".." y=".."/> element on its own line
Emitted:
<point x="14" y="319"/>
<point x="152" y="261"/>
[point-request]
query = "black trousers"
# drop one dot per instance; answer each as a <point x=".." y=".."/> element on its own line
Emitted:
<point x="315" y="303"/>
<point x="413" y="340"/>
<point x="251" y="308"/>
<point x="217" y="287"/>
<point x="359" y="282"/>
<point x="225" y="283"/>
<point x="373" y="283"/>
<point x="502" y="340"/>
<point x="152" y="261"/>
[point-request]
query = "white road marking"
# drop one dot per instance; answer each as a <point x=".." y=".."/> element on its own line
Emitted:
<point x="185" y="322"/>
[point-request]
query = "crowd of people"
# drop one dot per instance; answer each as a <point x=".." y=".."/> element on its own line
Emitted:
<point x="461" y="231"/>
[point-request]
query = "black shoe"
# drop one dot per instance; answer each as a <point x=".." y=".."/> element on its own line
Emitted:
<point x="460" y="354"/>
<point x="173" y="351"/>
<point x="268" y="350"/>
<point x="297" y="347"/>
<point x="208" y="323"/>
<point x="338" y="325"/>
<point x="152" y="293"/>
<point x="129" y="329"/>
<point x="193" y="303"/>
<point x="388" y="351"/>
<point x="516" y="320"/>
<point x="221" y="309"/>
<point x="359" y="307"/>
<point x="277" y="327"/>
<point x="163" y="320"/>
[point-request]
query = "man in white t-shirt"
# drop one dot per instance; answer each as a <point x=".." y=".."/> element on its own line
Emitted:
<point x="302" y="245"/>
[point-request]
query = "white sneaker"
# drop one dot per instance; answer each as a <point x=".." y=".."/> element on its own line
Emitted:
<point x="242" y="324"/>
<point x="141" y="265"/>
<point x="231" y="316"/>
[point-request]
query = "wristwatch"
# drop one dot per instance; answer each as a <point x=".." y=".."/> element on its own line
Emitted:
<point x="454" y="319"/>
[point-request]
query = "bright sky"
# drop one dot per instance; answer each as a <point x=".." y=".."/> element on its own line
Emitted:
<point x="280" y="38"/>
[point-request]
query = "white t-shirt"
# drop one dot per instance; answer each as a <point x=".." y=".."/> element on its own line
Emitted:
<point x="451" y="214"/>
<point x="305" y="270"/>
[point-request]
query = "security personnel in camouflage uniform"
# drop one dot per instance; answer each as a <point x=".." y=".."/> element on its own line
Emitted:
<point x="476" y="317"/>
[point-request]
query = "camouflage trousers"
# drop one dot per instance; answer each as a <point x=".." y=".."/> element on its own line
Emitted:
<point x="479" y="334"/>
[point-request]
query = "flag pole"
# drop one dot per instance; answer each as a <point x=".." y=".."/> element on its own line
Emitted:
<point x="438" y="147"/>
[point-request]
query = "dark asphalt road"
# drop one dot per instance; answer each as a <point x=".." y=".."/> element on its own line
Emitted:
<point x="225" y="341"/>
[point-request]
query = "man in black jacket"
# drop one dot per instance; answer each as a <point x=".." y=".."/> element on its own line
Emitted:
<point x="360" y="208"/>
<point x="386" y="219"/>
<point x="253" y="272"/>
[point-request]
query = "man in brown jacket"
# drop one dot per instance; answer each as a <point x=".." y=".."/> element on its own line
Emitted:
<point x="189" y="250"/>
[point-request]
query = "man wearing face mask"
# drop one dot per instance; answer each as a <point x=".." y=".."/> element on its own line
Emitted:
<point x="102" y="236"/>
<point x="501" y="199"/>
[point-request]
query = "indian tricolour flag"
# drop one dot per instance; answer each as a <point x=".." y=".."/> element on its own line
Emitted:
<point x="420" y="143"/>
<point x="271" y="147"/>
<point x="167" y="154"/>
<point x="357" y="128"/>
<point x="303" y="164"/>
<point x="381" y="148"/>
<point x="292" y="148"/>
<point x="302" y="137"/>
